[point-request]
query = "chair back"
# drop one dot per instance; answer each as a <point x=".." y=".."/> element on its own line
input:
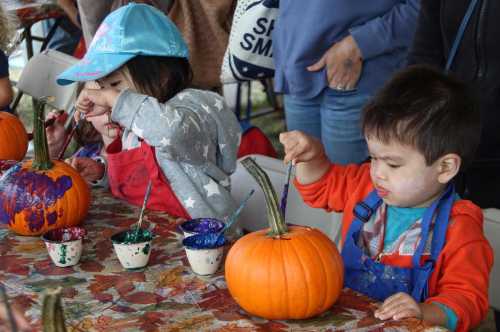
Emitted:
<point x="492" y="232"/>
<point x="38" y="78"/>
<point x="254" y="215"/>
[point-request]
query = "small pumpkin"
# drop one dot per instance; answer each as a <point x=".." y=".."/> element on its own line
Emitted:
<point x="285" y="272"/>
<point x="13" y="137"/>
<point x="39" y="195"/>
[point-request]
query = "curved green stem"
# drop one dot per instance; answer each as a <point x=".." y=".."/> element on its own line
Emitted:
<point x="275" y="218"/>
<point x="52" y="311"/>
<point x="42" y="157"/>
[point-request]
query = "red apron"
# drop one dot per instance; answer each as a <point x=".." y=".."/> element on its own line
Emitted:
<point x="128" y="175"/>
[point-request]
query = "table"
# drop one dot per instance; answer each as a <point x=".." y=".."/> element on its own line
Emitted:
<point x="99" y="295"/>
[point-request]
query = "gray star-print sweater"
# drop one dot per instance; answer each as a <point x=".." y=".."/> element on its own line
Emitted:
<point x="196" y="139"/>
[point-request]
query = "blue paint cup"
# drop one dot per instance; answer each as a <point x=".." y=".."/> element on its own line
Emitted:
<point x="204" y="252"/>
<point x="201" y="226"/>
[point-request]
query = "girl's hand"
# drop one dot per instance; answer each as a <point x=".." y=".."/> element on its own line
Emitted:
<point x="93" y="102"/>
<point x="90" y="169"/>
<point x="398" y="306"/>
<point x="56" y="135"/>
<point x="300" y="147"/>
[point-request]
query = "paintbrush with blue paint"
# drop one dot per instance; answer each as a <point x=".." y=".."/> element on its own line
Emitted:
<point x="284" y="194"/>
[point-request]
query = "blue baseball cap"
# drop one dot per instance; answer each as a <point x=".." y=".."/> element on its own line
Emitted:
<point x="131" y="30"/>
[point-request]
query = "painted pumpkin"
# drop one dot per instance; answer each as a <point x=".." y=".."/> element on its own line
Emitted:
<point x="13" y="137"/>
<point x="283" y="272"/>
<point x="39" y="195"/>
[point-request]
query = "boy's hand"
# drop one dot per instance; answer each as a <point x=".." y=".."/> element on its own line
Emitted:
<point x="300" y="147"/>
<point x="88" y="168"/>
<point x="398" y="306"/>
<point x="308" y="153"/>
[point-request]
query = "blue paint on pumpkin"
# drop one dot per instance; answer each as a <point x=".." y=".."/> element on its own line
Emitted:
<point x="52" y="218"/>
<point x="23" y="190"/>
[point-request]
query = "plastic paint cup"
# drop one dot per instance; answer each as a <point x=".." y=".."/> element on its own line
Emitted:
<point x="65" y="245"/>
<point x="133" y="253"/>
<point x="204" y="252"/>
<point x="201" y="226"/>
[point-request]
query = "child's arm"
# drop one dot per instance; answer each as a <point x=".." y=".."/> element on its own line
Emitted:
<point x="307" y="153"/>
<point x="402" y="305"/>
<point x="177" y="131"/>
<point x="6" y="93"/>
<point x="56" y="134"/>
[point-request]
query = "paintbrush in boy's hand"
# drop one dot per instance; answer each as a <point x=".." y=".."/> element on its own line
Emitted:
<point x="284" y="194"/>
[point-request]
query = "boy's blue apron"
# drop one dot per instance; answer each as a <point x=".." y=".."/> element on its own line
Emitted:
<point x="379" y="281"/>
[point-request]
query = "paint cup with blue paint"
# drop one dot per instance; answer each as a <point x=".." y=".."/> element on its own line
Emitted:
<point x="201" y="226"/>
<point x="133" y="248"/>
<point x="204" y="252"/>
<point x="65" y="245"/>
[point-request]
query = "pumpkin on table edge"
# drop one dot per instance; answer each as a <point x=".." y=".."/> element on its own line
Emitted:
<point x="39" y="195"/>
<point x="285" y="272"/>
<point x="13" y="137"/>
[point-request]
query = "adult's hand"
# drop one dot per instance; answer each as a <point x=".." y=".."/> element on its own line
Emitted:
<point x="343" y="64"/>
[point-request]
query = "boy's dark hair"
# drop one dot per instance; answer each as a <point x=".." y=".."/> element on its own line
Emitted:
<point x="424" y="108"/>
<point x="160" y="77"/>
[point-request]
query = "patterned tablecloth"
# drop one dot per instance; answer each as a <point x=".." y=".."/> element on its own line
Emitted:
<point x="99" y="295"/>
<point x="29" y="12"/>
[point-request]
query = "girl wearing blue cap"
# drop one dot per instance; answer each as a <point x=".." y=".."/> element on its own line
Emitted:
<point x="183" y="140"/>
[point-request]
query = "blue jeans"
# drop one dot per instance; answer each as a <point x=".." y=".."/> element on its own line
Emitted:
<point x="335" y="118"/>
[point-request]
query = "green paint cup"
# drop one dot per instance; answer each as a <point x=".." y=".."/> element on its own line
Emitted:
<point x="65" y="245"/>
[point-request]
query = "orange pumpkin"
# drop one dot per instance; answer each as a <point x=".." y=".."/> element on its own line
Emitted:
<point x="39" y="195"/>
<point x="13" y="137"/>
<point x="283" y="272"/>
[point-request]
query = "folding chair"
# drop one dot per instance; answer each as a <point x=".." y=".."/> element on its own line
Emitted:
<point x="492" y="232"/>
<point x="38" y="79"/>
<point x="254" y="216"/>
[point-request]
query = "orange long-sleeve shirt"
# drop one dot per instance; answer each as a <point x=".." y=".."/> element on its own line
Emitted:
<point x="461" y="275"/>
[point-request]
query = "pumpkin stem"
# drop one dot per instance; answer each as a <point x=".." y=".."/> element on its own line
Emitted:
<point x="42" y="158"/>
<point x="274" y="216"/>
<point x="52" y="311"/>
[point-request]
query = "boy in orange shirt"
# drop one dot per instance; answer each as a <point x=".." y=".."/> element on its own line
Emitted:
<point x="407" y="238"/>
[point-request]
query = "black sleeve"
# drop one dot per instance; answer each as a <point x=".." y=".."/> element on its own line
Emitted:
<point x="4" y="65"/>
<point x="428" y="43"/>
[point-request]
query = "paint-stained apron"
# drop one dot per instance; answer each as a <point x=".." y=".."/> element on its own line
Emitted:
<point x="129" y="172"/>
<point x="379" y="281"/>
